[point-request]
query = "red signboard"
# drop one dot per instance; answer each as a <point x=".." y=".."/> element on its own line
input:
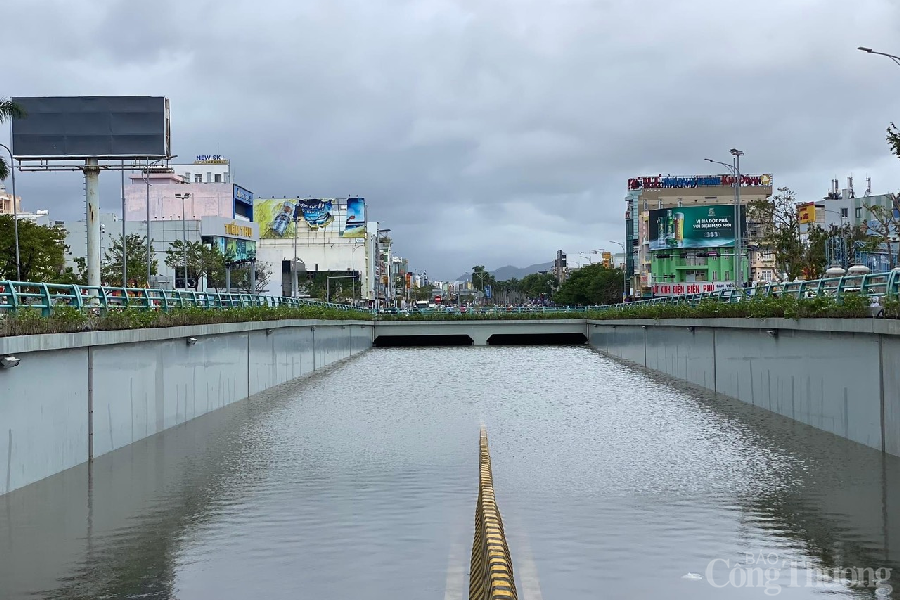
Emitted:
<point x="699" y="287"/>
<point x="437" y="299"/>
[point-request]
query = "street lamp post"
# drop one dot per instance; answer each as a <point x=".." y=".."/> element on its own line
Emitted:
<point x="738" y="253"/>
<point x="184" y="197"/>
<point x="736" y="172"/>
<point x="12" y="168"/>
<point x="894" y="58"/>
<point x="624" y="270"/>
<point x="295" y="284"/>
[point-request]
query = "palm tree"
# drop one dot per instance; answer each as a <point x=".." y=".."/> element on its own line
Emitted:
<point x="8" y="110"/>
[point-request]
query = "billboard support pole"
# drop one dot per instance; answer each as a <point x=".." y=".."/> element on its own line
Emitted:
<point x="124" y="240"/>
<point x="147" y="239"/>
<point x="92" y="217"/>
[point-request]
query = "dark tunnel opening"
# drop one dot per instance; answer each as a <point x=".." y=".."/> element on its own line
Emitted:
<point x="401" y="341"/>
<point x="537" y="339"/>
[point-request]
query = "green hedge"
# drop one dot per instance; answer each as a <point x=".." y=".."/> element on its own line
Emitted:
<point x="70" y="320"/>
<point x="850" y="306"/>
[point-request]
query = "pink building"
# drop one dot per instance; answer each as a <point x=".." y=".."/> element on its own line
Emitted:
<point x="205" y="199"/>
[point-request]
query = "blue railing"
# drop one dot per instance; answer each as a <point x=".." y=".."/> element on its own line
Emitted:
<point x="873" y="285"/>
<point x="15" y="295"/>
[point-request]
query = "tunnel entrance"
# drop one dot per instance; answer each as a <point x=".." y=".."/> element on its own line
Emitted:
<point x="537" y="339"/>
<point x="405" y="341"/>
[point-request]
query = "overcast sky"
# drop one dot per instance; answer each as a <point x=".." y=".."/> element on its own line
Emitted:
<point x="480" y="131"/>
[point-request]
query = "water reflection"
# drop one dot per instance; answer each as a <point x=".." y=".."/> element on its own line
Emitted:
<point x="360" y="481"/>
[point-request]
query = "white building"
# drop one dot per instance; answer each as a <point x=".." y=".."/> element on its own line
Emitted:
<point x="207" y="168"/>
<point x="6" y="202"/>
<point x="321" y="237"/>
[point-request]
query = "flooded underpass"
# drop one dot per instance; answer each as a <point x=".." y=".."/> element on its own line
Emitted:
<point x="360" y="481"/>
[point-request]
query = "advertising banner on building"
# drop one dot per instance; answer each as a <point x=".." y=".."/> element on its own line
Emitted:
<point x="708" y="226"/>
<point x="355" y="224"/>
<point x="695" y="181"/>
<point x="316" y="212"/>
<point x="691" y="287"/>
<point x="275" y="217"/>
<point x="235" y="250"/>
<point x="806" y="213"/>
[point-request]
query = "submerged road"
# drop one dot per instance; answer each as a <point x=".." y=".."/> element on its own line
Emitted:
<point x="360" y="482"/>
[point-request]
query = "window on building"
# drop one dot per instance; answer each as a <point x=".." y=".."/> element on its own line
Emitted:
<point x="218" y="178"/>
<point x="715" y="275"/>
<point x="208" y="177"/>
<point x="187" y="176"/>
<point x="845" y="212"/>
<point x="859" y="212"/>
<point x="198" y="178"/>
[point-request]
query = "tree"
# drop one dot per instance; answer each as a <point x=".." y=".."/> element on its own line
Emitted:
<point x="240" y="277"/>
<point x="202" y="261"/>
<point x="779" y="226"/>
<point x="41" y="251"/>
<point x="536" y="285"/>
<point x="813" y="257"/>
<point x="481" y="278"/>
<point x="8" y="110"/>
<point x="893" y="139"/>
<point x="135" y="260"/>
<point x="885" y="224"/>
<point x="591" y="285"/>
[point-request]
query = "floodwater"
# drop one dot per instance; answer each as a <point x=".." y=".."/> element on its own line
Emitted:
<point x="360" y="482"/>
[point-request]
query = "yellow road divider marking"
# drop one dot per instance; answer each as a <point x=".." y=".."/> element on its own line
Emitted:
<point x="491" y="572"/>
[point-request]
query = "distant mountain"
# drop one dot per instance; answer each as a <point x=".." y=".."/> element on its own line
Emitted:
<point x="509" y="271"/>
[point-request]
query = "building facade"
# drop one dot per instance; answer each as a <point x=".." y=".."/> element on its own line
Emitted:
<point x="6" y="202"/>
<point x="329" y="236"/>
<point x="680" y="233"/>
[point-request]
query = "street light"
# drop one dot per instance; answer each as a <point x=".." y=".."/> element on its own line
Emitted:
<point x="184" y="197"/>
<point x="624" y="270"/>
<point x="12" y="168"/>
<point x="894" y="58"/>
<point x="735" y="170"/>
<point x="738" y="272"/>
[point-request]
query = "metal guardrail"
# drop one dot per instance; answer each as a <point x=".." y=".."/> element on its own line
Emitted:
<point x="491" y="571"/>
<point x="873" y="285"/>
<point x="15" y="295"/>
<point x="46" y="296"/>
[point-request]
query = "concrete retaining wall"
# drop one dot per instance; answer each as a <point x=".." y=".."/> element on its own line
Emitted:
<point x="841" y="376"/>
<point x="78" y="396"/>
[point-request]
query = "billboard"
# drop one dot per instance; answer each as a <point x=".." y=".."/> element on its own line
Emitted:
<point x="316" y="212"/>
<point x="319" y="218"/>
<point x="694" y="181"/>
<point x="355" y="223"/>
<point x="806" y="213"/>
<point x="243" y="202"/>
<point x="70" y="127"/>
<point x="709" y="226"/>
<point x="236" y="250"/>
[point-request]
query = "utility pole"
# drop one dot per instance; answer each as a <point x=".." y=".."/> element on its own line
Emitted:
<point x="738" y="252"/>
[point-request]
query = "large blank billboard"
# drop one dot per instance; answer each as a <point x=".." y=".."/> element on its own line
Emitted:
<point x="92" y="127"/>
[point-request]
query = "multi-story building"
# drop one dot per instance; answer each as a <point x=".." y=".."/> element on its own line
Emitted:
<point x="6" y="202"/>
<point x="207" y="168"/>
<point x="680" y="233"/>
<point x="216" y="213"/>
<point x="329" y="236"/>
